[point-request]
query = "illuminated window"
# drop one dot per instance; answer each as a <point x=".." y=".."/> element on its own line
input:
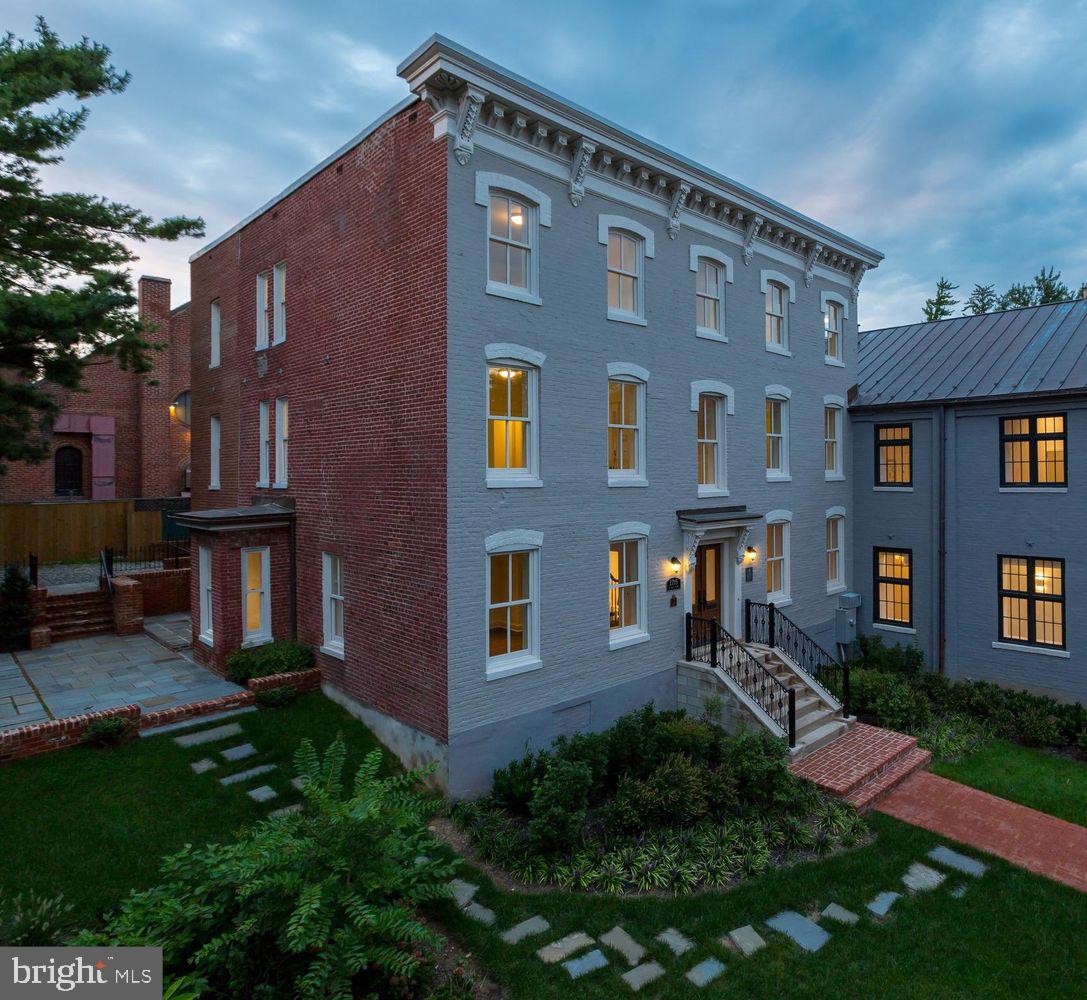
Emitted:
<point x="833" y="330"/>
<point x="711" y="445"/>
<point x="777" y="437"/>
<point x="215" y="346"/>
<point x="835" y="540"/>
<point x="894" y="587"/>
<point x="894" y="455"/>
<point x="332" y="592"/>
<point x="1033" y="450"/>
<point x="709" y="296"/>
<point x="626" y="257"/>
<point x="512" y="234"/>
<point x="510" y="609"/>
<point x="206" y="630"/>
<point x="1032" y="601"/>
<point x="256" y="597"/>
<point x="777" y="317"/>
<point x="626" y="428"/>
<point x="832" y="441"/>
<point x="626" y="586"/>
<point x="511" y="424"/>
<point x="777" y="557"/>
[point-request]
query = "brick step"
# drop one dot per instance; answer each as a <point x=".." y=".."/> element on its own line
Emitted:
<point x="60" y="633"/>
<point x="89" y="599"/>
<point x="66" y="615"/>
<point x="856" y="757"/>
<point x="868" y="794"/>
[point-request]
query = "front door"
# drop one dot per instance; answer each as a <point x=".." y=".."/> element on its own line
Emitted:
<point x="707" y="582"/>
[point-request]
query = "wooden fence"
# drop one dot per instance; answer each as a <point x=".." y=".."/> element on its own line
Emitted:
<point x="73" y="530"/>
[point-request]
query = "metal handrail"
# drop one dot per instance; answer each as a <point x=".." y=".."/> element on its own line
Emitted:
<point x="708" y="642"/>
<point x="105" y="569"/>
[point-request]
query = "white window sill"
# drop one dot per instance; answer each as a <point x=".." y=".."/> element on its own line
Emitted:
<point x="778" y="477"/>
<point x="256" y="640"/>
<point x="279" y="486"/>
<point x="776" y="349"/>
<point x="627" y="481"/>
<point x="212" y="368"/>
<point x="513" y="482"/>
<point x="261" y="347"/>
<point x="282" y="340"/>
<point x="214" y="486"/>
<point x="1017" y="647"/>
<point x="496" y="669"/>
<point x="833" y="362"/>
<point x="619" y="316"/>
<point x="263" y="486"/>
<point x="1033" y="489"/>
<point x="836" y="588"/>
<point x="207" y="638"/>
<point x="711" y="335"/>
<point x="834" y="477"/>
<point x="512" y="292"/>
<point x="332" y="650"/>
<point x="892" y="489"/>
<point x="625" y="639"/>
<point x="904" y="629"/>
<point x="779" y="600"/>
<point x="712" y="491"/>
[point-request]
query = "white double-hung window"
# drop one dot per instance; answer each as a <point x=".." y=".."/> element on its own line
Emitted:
<point x="777" y="432"/>
<point x="629" y="245"/>
<point x="332" y="603"/>
<point x="515" y="213"/>
<point x="513" y="602"/>
<point x="279" y="303"/>
<point x="215" y="343"/>
<point x="778" y="292"/>
<point x="513" y="435"/>
<point x="835" y="312"/>
<point x="778" y="556"/>
<point x="264" y="292"/>
<point x="264" y="440"/>
<point x="833" y="431"/>
<point x="215" y="435"/>
<point x="711" y="401"/>
<point x="626" y="424"/>
<point x="256" y="596"/>
<point x="712" y="270"/>
<point x="282" y="439"/>
<point x="835" y="540"/>
<point x="206" y="628"/>
<point x="627" y="580"/>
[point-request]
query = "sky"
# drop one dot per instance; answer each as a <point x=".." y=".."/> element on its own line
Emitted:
<point x="952" y="136"/>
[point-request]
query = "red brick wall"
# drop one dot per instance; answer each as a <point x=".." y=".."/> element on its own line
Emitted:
<point x="164" y="590"/>
<point x="364" y="370"/>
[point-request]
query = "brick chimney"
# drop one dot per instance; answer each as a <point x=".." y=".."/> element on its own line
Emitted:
<point x="154" y="402"/>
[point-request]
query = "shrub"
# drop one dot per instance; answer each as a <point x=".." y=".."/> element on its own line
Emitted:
<point x="1038" y="727"/>
<point x="108" y="732"/>
<point x="558" y="805"/>
<point x="875" y="654"/>
<point x="514" y="784"/>
<point x="318" y="903"/>
<point x="675" y="794"/>
<point x="279" y="696"/>
<point x="282" y="657"/>
<point x="15" y="618"/>
<point x="759" y="766"/>
<point x="32" y="921"/>
<point x="891" y="698"/>
<point x="951" y="737"/>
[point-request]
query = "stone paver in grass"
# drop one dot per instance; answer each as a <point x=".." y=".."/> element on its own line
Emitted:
<point x="840" y="913"/>
<point x="240" y="752"/>
<point x="705" y="972"/>
<point x="590" y="962"/>
<point x="959" y="891"/>
<point x="643" y="975"/>
<point x="479" y="912"/>
<point x="960" y="862"/>
<point x="203" y="720"/>
<point x="921" y="878"/>
<point x="746" y="939"/>
<point x="205" y="764"/>
<point x="208" y="735"/>
<point x="253" y="772"/>
<point x="298" y="782"/>
<point x="286" y="810"/>
<point x="526" y="928"/>
<point x="265" y="793"/>
<point x="882" y="904"/>
<point x="623" y="943"/>
<point x="677" y="942"/>
<point x="564" y="947"/>
<point x="806" y="933"/>
<point x="463" y="892"/>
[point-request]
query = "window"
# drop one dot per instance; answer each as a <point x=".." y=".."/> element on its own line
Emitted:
<point x="207" y="632"/>
<point x="213" y="457"/>
<point x="624" y="273"/>
<point x="181" y="407"/>
<point x="893" y="576"/>
<point x="265" y="438"/>
<point x="509" y="246"/>
<point x="279" y="304"/>
<point x="511" y="608"/>
<point x="627" y="564"/>
<point x="777" y="433"/>
<point x="626" y="426"/>
<point x="777" y="331"/>
<point x="833" y="330"/>
<point x="281" y="442"/>
<point x="1032" y="601"/>
<point x="894" y="455"/>
<point x="332" y="597"/>
<point x="264" y="287"/>
<point x="778" y="572"/>
<point x="256" y="596"/>
<point x="216" y="335"/>
<point x="68" y="471"/>
<point x="512" y="395"/>
<point x="712" y="478"/>
<point x="709" y="293"/>
<point x="835" y="538"/>
<point x="1033" y="451"/>
<point x="832" y="442"/>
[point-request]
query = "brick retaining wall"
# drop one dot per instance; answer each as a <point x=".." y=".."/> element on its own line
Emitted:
<point x="300" y="680"/>
<point x="164" y="590"/>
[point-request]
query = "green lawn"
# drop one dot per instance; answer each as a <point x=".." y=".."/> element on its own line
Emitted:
<point x="1013" y="935"/>
<point x="1035" y="778"/>
<point x="94" y="824"/>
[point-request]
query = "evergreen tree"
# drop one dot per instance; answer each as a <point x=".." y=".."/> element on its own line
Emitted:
<point x="64" y="292"/>
<point x="1018" y="296"/>
<point x="941" y="305"/>
<point x="1048" y="287"/>
<point x="982" y="300"/>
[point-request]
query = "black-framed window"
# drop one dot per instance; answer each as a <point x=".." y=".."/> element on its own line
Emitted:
<point x="892" y="580"/>
<point x="1031" y="592"/>
<point x="1034" y="450"/>
<point x="894" y="454"/>
<point x="68" y="471"/>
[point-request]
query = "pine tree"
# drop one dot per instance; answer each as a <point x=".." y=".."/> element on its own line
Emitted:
<point x="64" y="292"/>
<point x="982" y="300"/>
<point x="1019" y="296"/>
<point x="1048" y="287"/>
<point x="941" y="305"/>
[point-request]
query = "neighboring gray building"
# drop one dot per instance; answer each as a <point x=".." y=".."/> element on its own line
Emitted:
<point x="969" y="495"/>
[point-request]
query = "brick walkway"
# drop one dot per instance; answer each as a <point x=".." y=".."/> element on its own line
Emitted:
<point x="1030" y="839"/>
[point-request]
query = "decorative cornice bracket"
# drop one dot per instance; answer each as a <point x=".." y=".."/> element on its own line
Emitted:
<point x="691" y="541"/>
<point x="814" y="250"/>
<point x="471" y="102"/>
<point x="754" y="224"/>
<point x="680" y="194"/>
<point x="741" y="545"/>
<point x="855" y="288"/>
<point x="584" y="150"/>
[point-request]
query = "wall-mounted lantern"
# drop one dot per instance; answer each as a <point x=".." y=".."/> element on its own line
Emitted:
<point x="675" y="564"/>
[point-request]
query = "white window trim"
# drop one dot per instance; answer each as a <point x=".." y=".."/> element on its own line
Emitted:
<point x="766" y="276"/>
<point x="724" y="262"/>
<point x="784" y="394"/>
<point x="606" y="224"/>
<point x="282" y="456"/>
<point x="1022" y="647"/>
<point x="206" y="623"/>
<point x="824" y="298"/>
<point x="215" y="433"/>
<point x="262" y="310"/>
<point x="529" y="361"/>
<point x="279" y="303"/>
<point x="215" y="344"/>
<point x="719" y="488"/>
<point x="511" y="664"/>
<point x="637" y="531"/>
<point x="539" y="207"/>
<point x="840" y="585"/>
<point x="837" y="475"/>
<point x="264" y="444"/>
<point x="624" y="371"/>
<point x="711" y="387"/>
<point x="265" y="634"/>
<point x="783" y="597"/>
<point x="331" y="645"/>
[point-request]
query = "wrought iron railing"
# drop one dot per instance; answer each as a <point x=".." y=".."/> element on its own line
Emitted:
<point x="764" y="623"/>
<point x="105" y="570"/>
<point x="708" y="642"/>
<point x="170" y="553"/>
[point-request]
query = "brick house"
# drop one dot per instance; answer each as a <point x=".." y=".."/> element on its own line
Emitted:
<point x="122" y="437"/>
<point x="488" y="349"/>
